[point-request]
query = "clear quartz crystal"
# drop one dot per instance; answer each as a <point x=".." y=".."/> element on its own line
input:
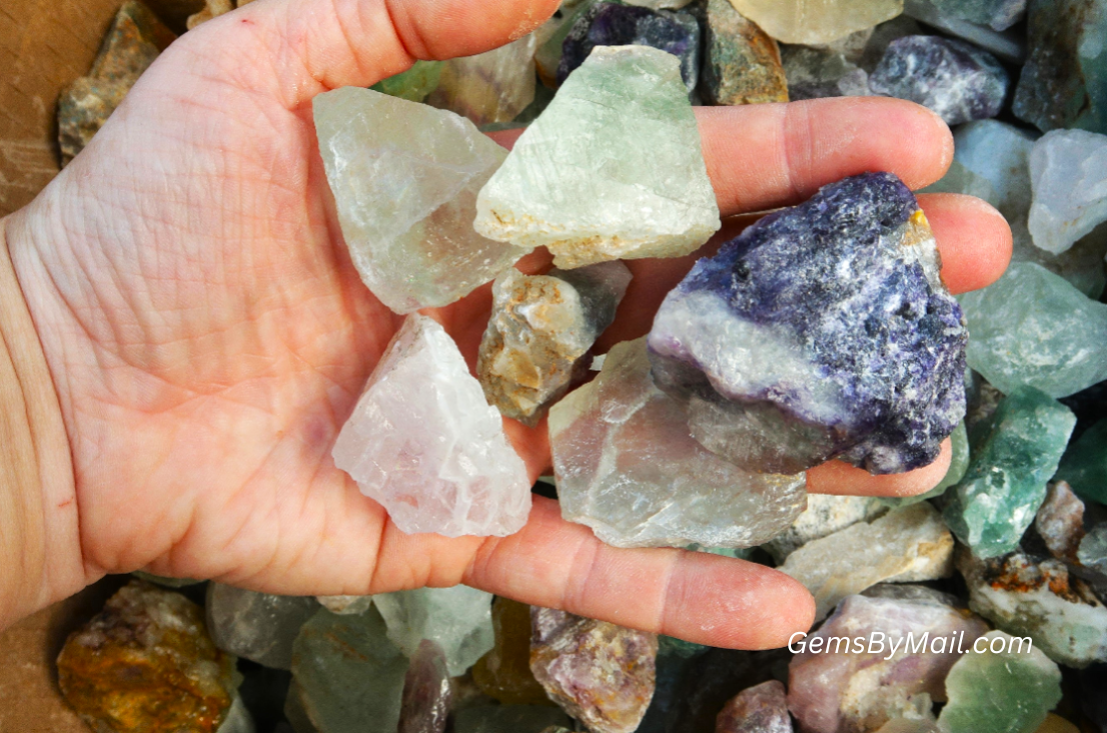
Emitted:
<point x="425" y="444"/>
<point x="405" y="178"/>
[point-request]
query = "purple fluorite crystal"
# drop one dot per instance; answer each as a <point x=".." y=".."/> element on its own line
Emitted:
<point x="760" y="709"/>
<point x="611" y="24"/>
<point x="822" y="331"/>
<point x="956" y="80"/>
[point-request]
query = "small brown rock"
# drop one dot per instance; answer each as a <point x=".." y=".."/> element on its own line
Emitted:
<point x="504" y="672"/>
<point x="742" y="63"/>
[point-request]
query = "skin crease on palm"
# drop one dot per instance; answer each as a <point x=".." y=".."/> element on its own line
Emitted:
<point x="208" y="335"/>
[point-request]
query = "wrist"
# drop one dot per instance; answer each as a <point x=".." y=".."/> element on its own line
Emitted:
<point x="40" y="556"/>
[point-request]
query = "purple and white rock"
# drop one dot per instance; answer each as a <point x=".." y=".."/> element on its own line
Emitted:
<point x="425" y="444"/>
<point x="599" y="673"/>
<point x="856" y="686"/>
<point x="759" y="709"/>
<point x="953" y="79"/>
<point x="822" y="331"/>
<point x="428" y="694"/>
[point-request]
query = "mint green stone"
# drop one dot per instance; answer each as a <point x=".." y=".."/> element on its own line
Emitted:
<point x="1085" y="464"/>
<point x="414" y="84"/>
<point x="1010" y="691"/>
<point x="958" y="466"/>
<point x="1093" y="549"/>
<point x="1006" y="481"/>
<point x="349" y="677"/>
<point x="1034" y="328"/>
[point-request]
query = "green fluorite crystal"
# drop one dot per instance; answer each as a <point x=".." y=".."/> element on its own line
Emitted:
<point x="1085" y="464"/>
<point x="1006" y="482"/>
<point x="414" y="84"/>
<point x="613" y="169"/>
<point x="1034" y="328"/>
<point x="1009" y="691"/>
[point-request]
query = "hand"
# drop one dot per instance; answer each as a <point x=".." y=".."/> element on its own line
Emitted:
<point x="208" y="335"/>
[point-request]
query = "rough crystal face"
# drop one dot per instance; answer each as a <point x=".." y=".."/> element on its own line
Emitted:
<point x="825" y="514"/>
<point x="741" y="62"/>
<point x="1000" y="690"/>
<point x="998" y="14"/>
<point x="510" y="719"/>
<point x="815" y="73"/>
<point x="146" y="662"/>
<point x="1084" y="465"/>
<point x="1006" y="481"/>
<point x="760" y="709"/>
<point x="425" y="444"/>
<point x="405" y="178"/>
<point x="601" y="674"/>
<point x="346" y="605"/>
<point x="817" y="21"/>
<point x="1064" y="82"/>
<point x="348" y="675"/>
<point x="953" y="79"/>
<point x="1040" y="600"/>
<point x="613" y="169"/>
<point x="457" y="619"/>
<point x="1060" y="522"/>
<point x="627" y="467"/>
<point x="905" y="545"/>
<point x="1068" y="172"/>
<point x="428" y="693"/>
<point x="614" y="24"/>
<point x="490" y="87"/>
<point x="414" y="84"/>
<point x="541" y="326"/>
<point x="1034" y="328"/>
<point x="838" y="686"/>
<point x="1092" y="552"/>
<point x="504" y="672"/>
<point x="257" y="626"/>
<point x="822" y="331"/>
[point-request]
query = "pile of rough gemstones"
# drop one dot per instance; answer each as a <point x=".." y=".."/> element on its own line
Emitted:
<point x="823" y="331"/>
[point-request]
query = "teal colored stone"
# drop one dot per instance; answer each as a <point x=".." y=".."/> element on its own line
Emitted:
<point x="509" y="719"/>
<point x="415" y="84"/>
<point x="1064" y="82"/>
<point x="1034" y="328"/>
<point x="958" y="466"/>
<point x="349" y="676"/>
<point x="1006" y="481"/>
<point x="1010" y="691"/>
<point x="1093" y="549"/>
<point x="1085" y="464"/>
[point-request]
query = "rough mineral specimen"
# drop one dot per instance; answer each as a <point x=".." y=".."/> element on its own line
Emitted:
<point x="348" y="675"/>
<point x="146" y="663"/>
<point x="551" y="39"/>
<point x="345" y="605"/>
<point x="627" y="467"/>
<point x="741" y="62"/>
<point x="1064" y="82"/>
<point x="958" y="466"/>
<point x="1060" y="521"/>
<point x="1006" y="481"/>
<point x="1084" y="465"/>
<point x="905" y="545"/>
<point x="1067" y="172"/>
<point x="612" y="170"/>
<point x="1006" y="689"/>
<point x="822" y="331"/>
<point x="614" y="24"/>
<point x="1093" y="549"/>
<point x="825" y="514"/>
<point x="541" y="326"/>
<point x="414" y="84"/>
<point x="660" y="4"/>
<point x="489" y="87"/>
<point x="911" y="639"/>
<point x="951" y="78"/>
<point x="1034" y="328"/>
<point x="817" y="21"/>
<point x="815" y="73"/>
<point x="599" y="673"/>
<point x="999" y="14"/>
<point x="1040" y="600"/>
<point x="428" y="694"/>
<point x="425" y="444"/>
<point x="760" y="709"/>
<point x="211" y="9"/>
<point x="1008" y="45"/>
<point x="504" y="672"/>
<point x="135" y="39"/>
<point x="457" y="619"/>
<point x="257" y="626"/>
<point x="510" y="719"/>
<point x="405" y="178"/>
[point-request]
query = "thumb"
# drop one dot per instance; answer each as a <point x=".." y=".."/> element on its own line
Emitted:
<point x="318" y="45"/>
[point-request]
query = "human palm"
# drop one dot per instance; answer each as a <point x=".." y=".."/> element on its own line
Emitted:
<point x="208" y="335"/>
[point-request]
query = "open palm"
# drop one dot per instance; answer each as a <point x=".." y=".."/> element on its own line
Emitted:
<point x="208" y="335"/>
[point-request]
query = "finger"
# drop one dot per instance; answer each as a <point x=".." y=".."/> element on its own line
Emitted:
<point x="973" y="238"/>
<point x="840" y="478"/>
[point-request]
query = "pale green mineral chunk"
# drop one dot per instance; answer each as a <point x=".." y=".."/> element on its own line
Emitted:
<point x="489" y="87"/>
<point x="1068" y="170"/>
<point x="349" y="676"/>
<point x="1006" y="689"/>
<point x="258" y="626"/>
<point x="1085" y="464"/>
<point x="817" y="21"/>
<point x="613" y="169"/>
<point x="414" y="84"/>
<point x="1093" y="549"/>
<point x="1006" y="481"/>
<point x="405" y="178"/>
<point x="458" y="619"/>
<point x="1034" y="328"/>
